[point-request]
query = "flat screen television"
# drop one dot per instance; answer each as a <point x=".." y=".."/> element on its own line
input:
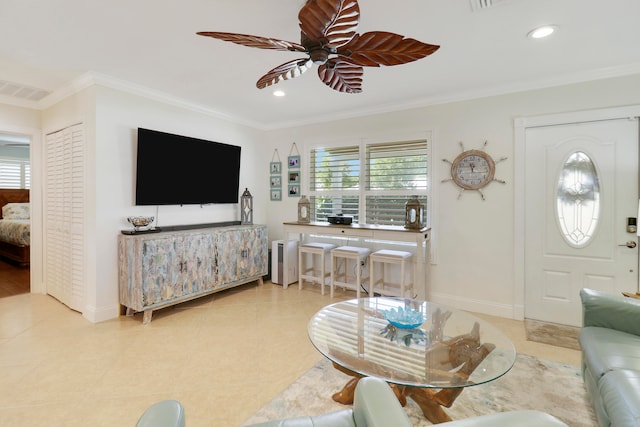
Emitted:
<point x="179" y="170"/>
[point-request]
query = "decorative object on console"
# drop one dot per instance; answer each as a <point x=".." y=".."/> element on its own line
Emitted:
<point x="246" y="208"/>
<point x="304" y="210"/>
<point x="140" y="223"/>
<point x="473" y="170"/>
<point x="340" y="219"/>
<point x="414" y="214"/>
<point x="329" y="38"/>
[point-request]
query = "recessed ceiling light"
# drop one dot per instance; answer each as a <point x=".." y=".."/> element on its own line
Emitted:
<point x="542" y="32"/>
<point x="278" y="93"/>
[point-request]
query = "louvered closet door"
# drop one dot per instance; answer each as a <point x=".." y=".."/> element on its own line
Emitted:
<point x="64" y="216"/>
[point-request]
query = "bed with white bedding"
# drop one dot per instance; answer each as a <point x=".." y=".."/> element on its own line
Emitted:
<point x="15" y="232"/>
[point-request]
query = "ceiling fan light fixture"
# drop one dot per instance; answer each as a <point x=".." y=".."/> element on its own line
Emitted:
<point x="542" y="32"/>
<point x="329" y="39"/>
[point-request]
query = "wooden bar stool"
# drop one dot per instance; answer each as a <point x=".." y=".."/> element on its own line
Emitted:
<point x="317" y="275"/>
<point x="385" y="256"/>
<point x="346" y="253"/>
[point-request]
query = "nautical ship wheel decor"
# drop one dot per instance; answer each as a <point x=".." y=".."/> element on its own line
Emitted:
<point x="473" y="170"/>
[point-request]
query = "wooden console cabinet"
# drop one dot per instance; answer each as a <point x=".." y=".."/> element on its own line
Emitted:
<point x="166" y="268"/>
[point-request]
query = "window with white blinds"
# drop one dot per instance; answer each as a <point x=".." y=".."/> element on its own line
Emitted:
<point x="334" y="182"/>
<point x="371" y="182"/>
<point x="14" y="173"/>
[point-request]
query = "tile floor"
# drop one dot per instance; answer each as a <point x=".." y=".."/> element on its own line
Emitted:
<point x="224" y="356"/>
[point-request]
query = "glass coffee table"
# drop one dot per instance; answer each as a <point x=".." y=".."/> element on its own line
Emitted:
<point x="430" y="358"/>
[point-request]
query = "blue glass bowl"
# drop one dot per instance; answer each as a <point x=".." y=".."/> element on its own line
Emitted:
<point x="404" y="319"/>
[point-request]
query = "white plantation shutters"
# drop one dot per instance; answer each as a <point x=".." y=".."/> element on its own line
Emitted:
<point x="395" y="171"/>
<point x="64" y="216"/>
<point x="14" y="173"/>
<point x="334" y="182"/>
<point x="370" y="182"/>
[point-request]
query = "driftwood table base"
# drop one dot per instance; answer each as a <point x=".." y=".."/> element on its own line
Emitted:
<point x="430" y="364"/>
<point x="464" y="351"/>
<point x="426" y="398"/>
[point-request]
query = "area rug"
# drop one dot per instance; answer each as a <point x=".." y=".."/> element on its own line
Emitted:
<point x="551" y="333"/>
<point x="532" y="383"/>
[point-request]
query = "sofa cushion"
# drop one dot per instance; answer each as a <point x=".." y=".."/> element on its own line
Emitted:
<point x="333" y="419"/>
<point x="528" y="418"/>
<point x="620" y="392"/>
<point x="604" y="350"/>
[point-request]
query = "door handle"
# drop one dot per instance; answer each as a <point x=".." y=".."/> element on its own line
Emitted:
<point x="630" y="244"/>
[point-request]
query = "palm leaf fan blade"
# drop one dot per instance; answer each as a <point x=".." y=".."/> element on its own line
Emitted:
<point x="341" y="76"/>
<point x="288" y="70"/>
<point x="377" y="48"/>
<point x="254" y="41"/>
<point x="330" y="23"/>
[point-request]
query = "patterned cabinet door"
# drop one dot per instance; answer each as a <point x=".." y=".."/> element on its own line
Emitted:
<point x="254" y="252"/>
<point x="241" y="253"/>
<point x="162" y="278"/>
<point x="227" y="253"/>
<point x="199" y="262"/>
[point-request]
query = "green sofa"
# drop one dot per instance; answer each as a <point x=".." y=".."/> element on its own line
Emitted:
<point x="610" y="341"/>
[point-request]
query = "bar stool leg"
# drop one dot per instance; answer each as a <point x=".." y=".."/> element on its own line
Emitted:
<point x="402" y="287"/>
<point x="300" y="271"/>
<point x="358" y="277"/>
<point x="322" y="273"/>
<point x="372" y="280"/>
<point x="333" y="275"/>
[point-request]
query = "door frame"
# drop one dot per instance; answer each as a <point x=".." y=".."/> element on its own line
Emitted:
<point x="35" y="200"/>
<point x="521" y="124"/>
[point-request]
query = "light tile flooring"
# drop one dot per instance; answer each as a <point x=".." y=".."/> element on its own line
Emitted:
<point x="223" y="356"/>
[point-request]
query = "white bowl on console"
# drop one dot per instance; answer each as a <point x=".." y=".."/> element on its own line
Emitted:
<point x="140" y="222"/>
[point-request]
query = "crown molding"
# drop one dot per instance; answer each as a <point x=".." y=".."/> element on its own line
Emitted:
<point x="91" y="78"/>
<point x="561" y="80"/>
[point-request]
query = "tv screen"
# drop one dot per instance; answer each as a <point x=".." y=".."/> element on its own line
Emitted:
<point x="179" y="170"/>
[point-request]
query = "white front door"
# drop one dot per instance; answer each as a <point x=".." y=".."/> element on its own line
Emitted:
<point x="581" y="188"/>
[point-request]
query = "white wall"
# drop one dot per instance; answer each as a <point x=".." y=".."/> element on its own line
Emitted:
<point x="111" y="120"/>
<point x="473" y="240"/>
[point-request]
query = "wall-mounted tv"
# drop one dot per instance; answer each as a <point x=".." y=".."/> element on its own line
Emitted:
<point x="179" y="170"/>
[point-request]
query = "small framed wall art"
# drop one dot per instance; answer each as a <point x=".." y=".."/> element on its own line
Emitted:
<point x="276" y="194"/>
<point x="293" y="178"/>
<point x="275" y="177"/>
<point x="275" y="168"/>
<point x="294" y="190"/>
<point x="294" y="162"/>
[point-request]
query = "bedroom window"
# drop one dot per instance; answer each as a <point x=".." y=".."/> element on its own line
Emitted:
<point x="370" y="182"/>
<point x="14" y="173"/>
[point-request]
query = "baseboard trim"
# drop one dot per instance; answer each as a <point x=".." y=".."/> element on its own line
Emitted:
<point x="97" y="315"/>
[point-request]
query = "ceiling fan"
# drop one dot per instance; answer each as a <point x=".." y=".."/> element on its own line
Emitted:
<point x="329" y="38"/>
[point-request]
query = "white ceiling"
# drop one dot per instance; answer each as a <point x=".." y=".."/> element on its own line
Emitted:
<point x="150" y="47"/>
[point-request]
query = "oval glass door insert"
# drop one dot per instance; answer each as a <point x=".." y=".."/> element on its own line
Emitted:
<point x="578" y="199"/>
